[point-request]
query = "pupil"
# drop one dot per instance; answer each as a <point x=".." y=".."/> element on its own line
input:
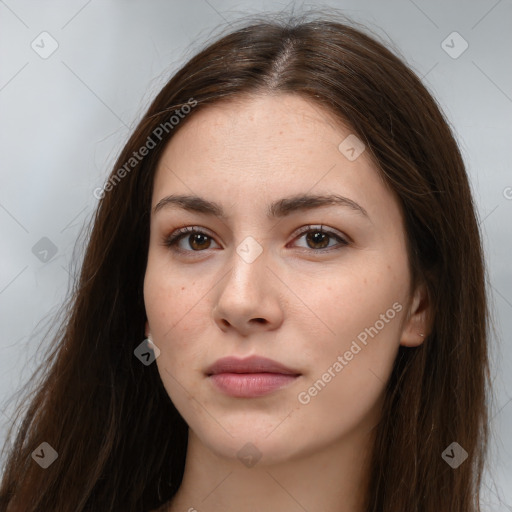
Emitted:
<point x="316" y="237"/>
<point x="319" y="238"/>
<point x="196" y="239"/>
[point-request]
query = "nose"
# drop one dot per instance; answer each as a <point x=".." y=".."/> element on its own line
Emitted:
<point x="248" y="298"/>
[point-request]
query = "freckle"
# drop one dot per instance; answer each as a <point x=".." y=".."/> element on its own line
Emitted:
<point x="182" y="288"/>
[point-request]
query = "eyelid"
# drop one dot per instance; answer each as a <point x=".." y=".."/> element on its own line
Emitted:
<point x="178" y="234"/>
<point x="321" y="227"/>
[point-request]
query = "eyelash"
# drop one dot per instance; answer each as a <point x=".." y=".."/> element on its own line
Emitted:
<point x="174" y="238"/>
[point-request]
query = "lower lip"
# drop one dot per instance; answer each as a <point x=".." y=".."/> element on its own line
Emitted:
<point x="250" y="385"/>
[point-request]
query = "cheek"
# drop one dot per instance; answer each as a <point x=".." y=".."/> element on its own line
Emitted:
<point x="349" y="375"/>
<point x="361" y="308"/>
<point x="173" y="309"/>
<point x="170" y="296"/>
<point x="175" y="313"/>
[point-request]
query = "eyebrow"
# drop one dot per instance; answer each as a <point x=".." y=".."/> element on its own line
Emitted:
<point x="277" y="209"/>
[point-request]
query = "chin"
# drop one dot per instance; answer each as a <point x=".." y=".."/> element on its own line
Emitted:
<point x="254" y="437"/>
<point x="251" y="448"/>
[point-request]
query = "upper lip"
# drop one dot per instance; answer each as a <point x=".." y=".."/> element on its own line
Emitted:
<point x="252" y="364"/>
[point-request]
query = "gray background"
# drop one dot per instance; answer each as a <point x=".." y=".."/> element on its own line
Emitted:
<point x="65" y="117"/>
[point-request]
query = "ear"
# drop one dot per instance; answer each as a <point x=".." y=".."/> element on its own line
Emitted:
<point x="417" y="325"/>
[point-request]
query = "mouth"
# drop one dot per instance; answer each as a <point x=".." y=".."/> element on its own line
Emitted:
<point x="251" y="377"/>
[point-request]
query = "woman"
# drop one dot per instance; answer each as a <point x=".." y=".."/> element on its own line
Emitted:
<point x="282" y="305"/>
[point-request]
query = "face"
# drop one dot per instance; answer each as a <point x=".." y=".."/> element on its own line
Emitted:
<point x="320" y="288"/>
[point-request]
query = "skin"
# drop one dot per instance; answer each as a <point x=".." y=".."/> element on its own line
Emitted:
<point x="298" y="303"/>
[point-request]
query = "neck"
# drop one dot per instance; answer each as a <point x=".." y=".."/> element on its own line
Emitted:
<point x="333" y="479"/>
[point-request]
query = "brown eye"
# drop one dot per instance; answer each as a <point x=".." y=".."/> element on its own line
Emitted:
<point x="199" y="241"/>
<point x="195" y="240"/>
<point x="319" y="239"/>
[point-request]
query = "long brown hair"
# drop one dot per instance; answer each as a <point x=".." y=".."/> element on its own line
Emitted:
<point x="120" y="441"/>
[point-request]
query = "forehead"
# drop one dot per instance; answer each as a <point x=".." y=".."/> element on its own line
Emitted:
<point x="264" y="146"/>
<point x="285" y="125"/>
